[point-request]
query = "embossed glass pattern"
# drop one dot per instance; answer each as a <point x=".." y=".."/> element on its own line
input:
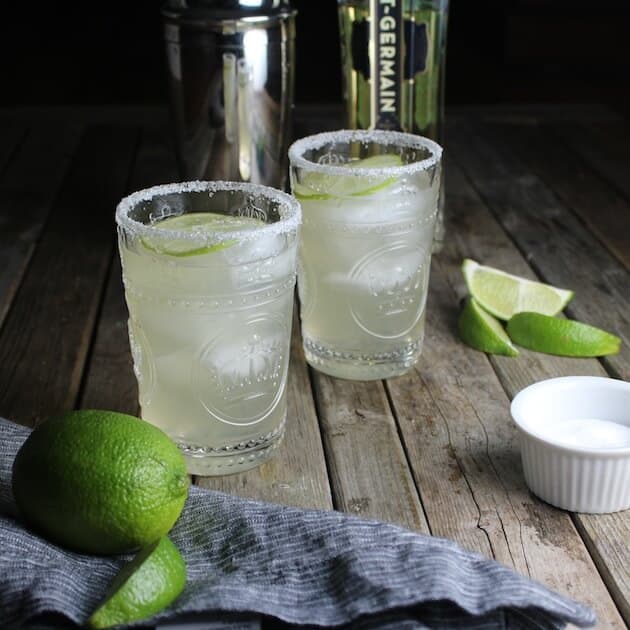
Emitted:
<point x="209" y="273"/>
<point x="369" y="201"/>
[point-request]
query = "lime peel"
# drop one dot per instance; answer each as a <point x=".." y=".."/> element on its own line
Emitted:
<point x="99" y="482"/>
<point x="480" y="330"/>
<point x="143" y="587"/>
<point x="503" y="294"/>
<point x="197" y="223"/>
<point x="562" y="337"/>
<point x="315" y="182"/>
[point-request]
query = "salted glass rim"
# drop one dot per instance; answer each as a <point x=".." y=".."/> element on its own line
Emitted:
<point x="376" y="136"/>
<point x="288" y="208"/>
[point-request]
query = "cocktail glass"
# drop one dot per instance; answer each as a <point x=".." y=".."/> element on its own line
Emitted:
<point x="369" y="202"/>
<point x="209" y="274"/>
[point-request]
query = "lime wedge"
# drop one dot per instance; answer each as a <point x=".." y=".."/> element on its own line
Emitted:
<point x="199" y="223"/>
<point x="564" y="337"/>
<point x="316" y="186"/>
<point x="482" y="331"/>
<point x="503" y="294"/>
<point x="144" y="587"/>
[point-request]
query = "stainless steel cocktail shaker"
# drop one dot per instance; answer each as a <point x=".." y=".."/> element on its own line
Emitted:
<point x="231" y="75"/>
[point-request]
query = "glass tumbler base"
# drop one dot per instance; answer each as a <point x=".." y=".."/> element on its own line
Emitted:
<point x="229" y="460"/>
<point x="361" y="366"/>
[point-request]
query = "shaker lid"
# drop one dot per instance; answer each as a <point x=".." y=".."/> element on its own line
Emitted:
<point x="226" y="9"/>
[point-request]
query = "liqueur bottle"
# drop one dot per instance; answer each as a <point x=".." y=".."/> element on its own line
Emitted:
<point x="393" y="59"/>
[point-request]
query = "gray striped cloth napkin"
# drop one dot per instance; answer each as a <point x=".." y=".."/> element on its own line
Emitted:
<point x="253" y="565"/>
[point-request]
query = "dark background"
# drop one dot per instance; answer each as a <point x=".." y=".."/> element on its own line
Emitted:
<point x="499" y="51"/>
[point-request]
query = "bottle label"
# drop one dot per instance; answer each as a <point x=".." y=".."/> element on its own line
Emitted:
<point x="386" y="33"/>
<point x="416" y="37"/>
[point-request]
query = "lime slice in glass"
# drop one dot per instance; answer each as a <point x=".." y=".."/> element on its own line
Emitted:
<point x="564" y="337"/>
<point x="503" y="294"/>
<point x="198" y="224"/>
<point x="317" y="185"/>
<point x="482" y="331"/>
<point x="144" y="586"/>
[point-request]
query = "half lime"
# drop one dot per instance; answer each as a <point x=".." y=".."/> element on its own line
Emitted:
<point x="144" y="586"/>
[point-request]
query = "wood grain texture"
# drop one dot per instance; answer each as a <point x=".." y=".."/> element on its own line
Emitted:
<point x="367" y="464"/>
<point x="538" y="191"/>
<point x="445" y="437"/>
<point x="463" y="449"/>
<point x="606" y="536"/>
<point x="597" y="203"/>
<point x="92" y="115"/>
<point x="604" y="145"/>
<point x="11" y="136"/>
<point x="296" y="475"/>
<point x="552" y="239"/>
<point x="475" y="234"/>
<point x="46" y="335"/>
<point x="28" y="185"/>
<point x="109" y="381"/>
<point x="517" y="112"/>
<point x="548" y="535"/>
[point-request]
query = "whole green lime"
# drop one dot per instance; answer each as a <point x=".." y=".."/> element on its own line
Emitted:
<point x="99" y="481"/>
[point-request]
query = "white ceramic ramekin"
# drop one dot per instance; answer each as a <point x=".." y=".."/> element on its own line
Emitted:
<point x="581" y="478"/>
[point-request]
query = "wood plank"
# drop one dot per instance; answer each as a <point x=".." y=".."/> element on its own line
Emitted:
<point x="575" y="112"/>
<point x="438" y="439"/>
<point x="109" y="380"/>
<point x="454" y="418"/>
<point x="46" y="336"/>
<point x="453" y="414"/>
<point x="11" y="136"/>
<point x="471" y="237"/>
<point x="604" y="211"/>
<point x="553" y="240"/>
<point x="92" y="115"/>
<point x="367" y="464"/>
<point x="604" y="145"/>
<point x="606" y="536"/>
<point x="28" y="188"/>
<point x="296" y="475"/>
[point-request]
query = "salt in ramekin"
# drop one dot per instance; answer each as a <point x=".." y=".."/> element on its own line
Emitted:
<point x="568" y="462"/>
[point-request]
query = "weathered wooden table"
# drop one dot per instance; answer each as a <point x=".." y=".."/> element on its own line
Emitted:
<point x="541" y="192"/>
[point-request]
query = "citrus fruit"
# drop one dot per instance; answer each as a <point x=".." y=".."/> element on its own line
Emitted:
<point x="144" y="586"/>
<point x="482" y="331"/>
<point x="201" y="225"/>
<point x="318" y="185"/>
<point x="564" y="337"/>
<point x="503" y="294"/>
<point x="99" y="482"/>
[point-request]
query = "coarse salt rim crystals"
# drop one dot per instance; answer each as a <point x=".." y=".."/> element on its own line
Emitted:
<point x="377" y="136"/>
<point x="288" y="208"/>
